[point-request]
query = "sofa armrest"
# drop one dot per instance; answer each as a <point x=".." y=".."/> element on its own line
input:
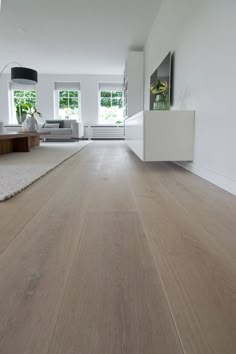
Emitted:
<point x="81" y="130"/>
<point x="75" y="130"/>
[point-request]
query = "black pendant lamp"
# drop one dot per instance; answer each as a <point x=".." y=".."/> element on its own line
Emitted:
<point x="21" y="75"/>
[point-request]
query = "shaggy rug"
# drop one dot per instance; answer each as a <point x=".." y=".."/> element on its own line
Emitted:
<point x="19" y="170"/>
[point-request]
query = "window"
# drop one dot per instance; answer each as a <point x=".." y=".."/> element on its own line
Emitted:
<point x="111" y="103"/>
<point x="68" y="100"/>
<point x="21" y="102"/>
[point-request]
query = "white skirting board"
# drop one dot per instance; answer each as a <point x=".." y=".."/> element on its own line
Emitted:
<point x="161" y="135"/>
<point x="211" y="176"/>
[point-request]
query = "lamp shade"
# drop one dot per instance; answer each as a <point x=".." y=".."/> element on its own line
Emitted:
<point x="22" y="75"/>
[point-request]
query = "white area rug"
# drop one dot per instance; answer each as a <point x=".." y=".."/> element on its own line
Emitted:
<point x="19" y="170"/>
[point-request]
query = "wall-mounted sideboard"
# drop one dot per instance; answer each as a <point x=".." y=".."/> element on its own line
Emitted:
<point x="161" y="135"/>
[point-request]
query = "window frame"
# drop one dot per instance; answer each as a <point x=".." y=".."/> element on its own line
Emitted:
<point x="12" y="111"/>
<point x="99" y="105"/>
<point x="57" y="103"/>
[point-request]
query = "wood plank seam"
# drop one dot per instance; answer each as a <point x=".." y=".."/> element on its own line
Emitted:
<point x="67" y="282"/>
<point x="231" y="259"/>
<point x="158" y="273"/>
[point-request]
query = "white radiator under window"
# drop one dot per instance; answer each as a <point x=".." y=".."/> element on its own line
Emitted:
<point x="104" y="132"/>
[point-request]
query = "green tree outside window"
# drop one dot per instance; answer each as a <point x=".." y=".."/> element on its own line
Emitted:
<point x="111" y="107"/>
<point x="68" y="104"/>
<point x="23" y="101"/>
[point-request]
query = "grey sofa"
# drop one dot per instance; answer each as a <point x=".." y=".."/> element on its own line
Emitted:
<point x="67" y="130"/>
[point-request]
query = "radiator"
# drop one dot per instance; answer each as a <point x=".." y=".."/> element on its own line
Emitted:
<point x="104" y="132"/>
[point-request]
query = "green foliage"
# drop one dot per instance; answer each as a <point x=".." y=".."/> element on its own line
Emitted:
<point x="117" y="102"/>
<point x="111" y="104"/>
<point x="110" y="99"/>
<point x="23" y="102"/>
<point x="105" y="94"/>
<point x="68" y="99"/>
<point x="68" y="104"/>
<point x="117" y="94"/>
<point x="63" y="94"/>
<point x="106" y="102"/>
<point x="73" y="94"/>
<point x="160" y="88"/>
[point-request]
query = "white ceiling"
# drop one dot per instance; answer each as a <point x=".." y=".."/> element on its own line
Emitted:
<point x="74" y="36"/>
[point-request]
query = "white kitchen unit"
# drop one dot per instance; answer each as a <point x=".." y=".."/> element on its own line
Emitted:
<point x="161" y="135"/>
<point x="133" y="83"/>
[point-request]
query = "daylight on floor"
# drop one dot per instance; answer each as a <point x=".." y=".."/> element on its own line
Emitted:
<point x="117" y="177"/>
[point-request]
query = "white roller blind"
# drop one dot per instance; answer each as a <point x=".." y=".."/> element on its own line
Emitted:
<point x="67" y="86"/>
<point x="21" y="87"/>
<point x="110" y="87"/>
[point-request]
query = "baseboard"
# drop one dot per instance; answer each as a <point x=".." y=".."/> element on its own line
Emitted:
<point x="212" y="176"/>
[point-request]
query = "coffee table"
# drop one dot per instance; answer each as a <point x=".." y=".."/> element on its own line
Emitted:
<point x="18" y="142"/>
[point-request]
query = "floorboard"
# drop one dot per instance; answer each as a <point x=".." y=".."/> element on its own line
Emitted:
<point x="114" y="302"/>
<point x="108" y="254"/>
<point x="197" y="272"/>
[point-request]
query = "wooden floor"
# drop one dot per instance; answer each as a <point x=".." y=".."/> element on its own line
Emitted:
<point x="111" y="255"/>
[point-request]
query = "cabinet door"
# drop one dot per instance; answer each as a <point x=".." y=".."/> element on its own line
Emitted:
<point x="134" y="134"/>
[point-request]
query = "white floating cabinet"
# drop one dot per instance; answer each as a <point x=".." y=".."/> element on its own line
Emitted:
<point x="161" y="135"/>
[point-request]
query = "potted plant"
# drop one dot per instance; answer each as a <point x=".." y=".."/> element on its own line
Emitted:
<point x="22" y="109"/>
<point x="30" y="124"/>
<point x="161" y="92"/>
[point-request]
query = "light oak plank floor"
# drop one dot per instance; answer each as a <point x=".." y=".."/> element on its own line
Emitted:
<point x="111" y="255"/>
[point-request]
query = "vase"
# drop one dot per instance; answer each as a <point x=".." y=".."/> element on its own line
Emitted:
<point x="30" y="124"/>
<point x="161" y="103"/>
<point x="21" y="117"/>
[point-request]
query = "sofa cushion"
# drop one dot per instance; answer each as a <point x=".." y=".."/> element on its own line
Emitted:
<point x="58" y="131"/>
<point x="51" y="125"/>
<point x="68" y="123"/>
<point x="53" y="121"/>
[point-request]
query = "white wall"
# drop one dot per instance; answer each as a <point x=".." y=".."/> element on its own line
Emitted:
<point x="45" y="94"/>
<point x="202" y="35"/>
